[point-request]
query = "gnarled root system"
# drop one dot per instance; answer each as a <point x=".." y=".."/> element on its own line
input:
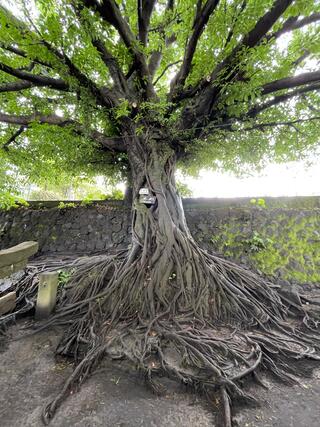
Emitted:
<point x="184" y="314"/>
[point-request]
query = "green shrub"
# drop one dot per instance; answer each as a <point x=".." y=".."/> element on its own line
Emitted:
<point x="261" y="203"/>
<point x="66" y="205"/>
<point x="9" y="201"/>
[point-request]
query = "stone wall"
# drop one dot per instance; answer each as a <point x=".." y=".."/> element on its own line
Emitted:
<point x="80" y="229"/>
<point x="282" y="238"/>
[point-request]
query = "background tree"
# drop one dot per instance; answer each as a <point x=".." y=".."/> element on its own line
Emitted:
<point x="146" y="85"/>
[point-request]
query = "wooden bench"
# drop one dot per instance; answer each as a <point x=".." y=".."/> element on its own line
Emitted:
<point x="16" y="257"/>
<point x="13" y="260"/>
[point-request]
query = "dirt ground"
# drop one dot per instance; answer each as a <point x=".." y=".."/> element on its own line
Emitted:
<point x="116" y="396"/>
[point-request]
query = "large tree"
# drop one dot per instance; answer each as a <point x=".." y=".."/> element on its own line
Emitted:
<point x="144" y="85"/>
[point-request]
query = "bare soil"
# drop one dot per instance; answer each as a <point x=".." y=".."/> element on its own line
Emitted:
<point x="116" y="396"/>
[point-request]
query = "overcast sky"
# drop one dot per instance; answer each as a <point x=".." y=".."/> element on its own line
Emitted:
<point x="291" y="179"/>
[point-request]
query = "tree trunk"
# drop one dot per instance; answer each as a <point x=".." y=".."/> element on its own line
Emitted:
<point x="158" y="229"/>
<point x="166" y="271"/>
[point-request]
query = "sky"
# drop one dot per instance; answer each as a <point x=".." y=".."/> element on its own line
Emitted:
<point x="290" y="179"/>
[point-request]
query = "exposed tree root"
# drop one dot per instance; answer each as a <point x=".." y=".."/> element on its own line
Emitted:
<point x="26" y="290"/>
<point x="26" y="287"/>
<point x="184" y="314"/>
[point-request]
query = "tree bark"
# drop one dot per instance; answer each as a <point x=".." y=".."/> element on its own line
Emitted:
<point x="156" y="171"/>
<point x="158" y="230"/>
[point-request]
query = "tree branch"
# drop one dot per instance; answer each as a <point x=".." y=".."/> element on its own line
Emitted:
<point x="301" y="58"/>
<point x="50" y="119"/>
<point x="165" y="69"/>
<point x="265" y="23"/>
<point x="23" y="54"/>
<point x="206" y="131"/>
<point x="114" y="144"/>
<point x="156" y="56"/>
<point x="109" y="11"/>
<point x="145" y="9"/>
<point x="36" y="79"/>
<point x="234" y="21"/>
<point x="200" y="22"/>
<point x="291" y="82"/>
<point x="112" y="64"/>
<point x="261" y="126"/>
<point x="16" y="86"/>
<point x="13" y="138"/>
<point x="294" y="23"/>
<point x="254" y="111"/>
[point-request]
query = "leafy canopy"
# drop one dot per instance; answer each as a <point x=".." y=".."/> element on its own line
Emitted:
<point x="231" y="83"/>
